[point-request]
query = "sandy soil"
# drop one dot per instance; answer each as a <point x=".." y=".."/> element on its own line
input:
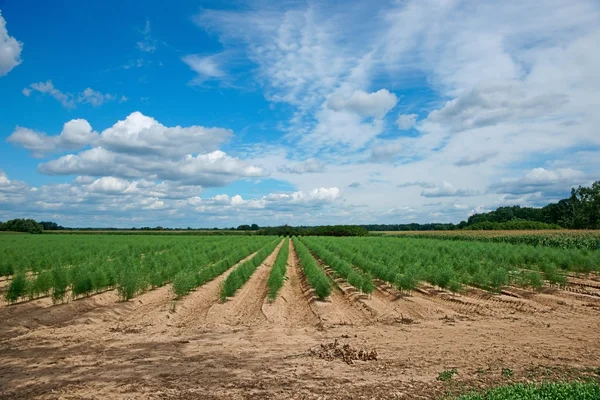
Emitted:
<point x="247" y="347"/>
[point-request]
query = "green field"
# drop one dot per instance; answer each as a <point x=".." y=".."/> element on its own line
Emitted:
<point x="71" y="266"/>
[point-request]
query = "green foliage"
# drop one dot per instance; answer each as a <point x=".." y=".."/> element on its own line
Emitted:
<point x="507" y="372"/>
<point x="315" y="276"/>
<point x="21" y="225"/>
<point x="277" y="275"/>
<point x="355" y="277"/>
<point x="127" y="284"/>
<point x="557" y="239"/>
<point x="404" y="261"/>
<point x="60" y="279"/>
<point x="17" y="288"/>
<point x="511" y="225"/>
<point x="242" y="273"/>
<point x="41" y="285"/>
<point x="82" y="281"/>
<point x="544" y="391"/>
<point x="446" y="375"/>
<point x="326" y="230"/>
<point x="183" y="283"/>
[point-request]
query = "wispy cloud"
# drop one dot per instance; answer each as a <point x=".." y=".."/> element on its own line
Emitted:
<point x="147" y="45"/>
<point x="69" y="100"/>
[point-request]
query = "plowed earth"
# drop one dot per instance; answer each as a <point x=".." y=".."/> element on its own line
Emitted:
<point x="198" y="348"/>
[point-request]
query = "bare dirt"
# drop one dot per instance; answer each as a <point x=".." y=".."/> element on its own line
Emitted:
<point x="387" y="345"/>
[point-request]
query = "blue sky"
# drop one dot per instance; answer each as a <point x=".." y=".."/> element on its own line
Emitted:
<point x="200" y="113"/>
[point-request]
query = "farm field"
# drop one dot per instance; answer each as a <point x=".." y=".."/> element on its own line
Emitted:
<point x="222" y="317"/>
<point x="564" y="238"/>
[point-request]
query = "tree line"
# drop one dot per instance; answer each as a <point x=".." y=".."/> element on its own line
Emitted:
<point x="581" y="210"/>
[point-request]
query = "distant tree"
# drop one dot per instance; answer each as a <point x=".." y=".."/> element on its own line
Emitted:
<point x="254" y="227"/>
<point x="51" y="226"/>
<point x="23" y="225"/>
<point x="244" y="228"/>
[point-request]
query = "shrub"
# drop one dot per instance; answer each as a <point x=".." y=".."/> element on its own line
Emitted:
<point x="17" y="287"/>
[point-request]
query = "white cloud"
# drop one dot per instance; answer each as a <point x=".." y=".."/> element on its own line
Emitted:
<point x="76" y="133"/>
<point x="94" y="98"/>
<point x="207" y="67"/>
<point x="375" y="105"/>
<point x="139" y="147"/>
<point x="423" y="185"/>
<point x="406" y="121"/>
<point x="86" y="202"/>
<point x="541" y="180"/>
<point x="385" y="152"/>
<point x="475" y="159"/>
<point x="306" y="167"/>
<point x="148" y="45"/>
<point x="446" y="189"/>
<point x="10" y="49"/>
<point x="66" y="99"/>
<point x="144" y="135"/>
<point x="69" y="100"/>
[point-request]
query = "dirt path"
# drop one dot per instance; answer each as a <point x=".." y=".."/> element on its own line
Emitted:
<point x="191" y="311"/>
<point x="291" y="307"/>
<point x="36" y="314"/>
<point x="245" y="308"/>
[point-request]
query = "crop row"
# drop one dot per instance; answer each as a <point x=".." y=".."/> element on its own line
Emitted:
<point x="315" y="276"/>
<point x="357" y="278"/>
<point x="244" y="271"/>
<point x="277" y="274"/>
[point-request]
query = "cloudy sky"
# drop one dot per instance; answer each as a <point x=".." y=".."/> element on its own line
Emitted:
<point x="192" y="113"/>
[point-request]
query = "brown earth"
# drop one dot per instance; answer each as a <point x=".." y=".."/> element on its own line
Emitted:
<point x="154" y="348"/>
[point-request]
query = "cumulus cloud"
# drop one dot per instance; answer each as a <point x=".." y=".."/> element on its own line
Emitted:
<point x="10" y="49"/>
<point x="375" y="105"/>
<point x="549" y="182"/>
<point x="307" y="167"/>
<point x="446" y="189"/>
<point x="488" y="105"/>
<point x="86" y="202"/>
<point x="207" y="170"/>
<point x="406" y="121"/>
<point x="69" y="100"/>
<point x="139" y="147"/>
<point x="341" y="128"/>
<point x="75" y="134"/>
<point x="141" y="134"/>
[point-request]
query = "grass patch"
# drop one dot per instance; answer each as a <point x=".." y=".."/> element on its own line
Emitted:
<point x="544" y="391"/>
<point x="446" y="375"/>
